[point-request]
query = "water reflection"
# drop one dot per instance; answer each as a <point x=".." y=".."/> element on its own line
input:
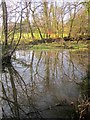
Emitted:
<point x="37" y="82"/>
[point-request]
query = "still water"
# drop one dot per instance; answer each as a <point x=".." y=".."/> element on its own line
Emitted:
<point x="42" y="84"/>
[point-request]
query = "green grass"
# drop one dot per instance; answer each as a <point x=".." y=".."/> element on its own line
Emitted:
<point x="80" y="45"/>
<point x="70" y="45"/>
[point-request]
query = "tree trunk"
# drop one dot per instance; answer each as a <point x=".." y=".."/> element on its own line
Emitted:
<point x="29" y="24"/>
<point x="72" y="20"/>
<point x="45" y="7"/>
<point x="37" y="27"/>
<point x="5" y="25"/>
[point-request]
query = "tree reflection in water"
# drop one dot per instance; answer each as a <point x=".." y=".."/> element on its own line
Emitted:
<point x="42" y="84"/>
<point x="15" y="95"/>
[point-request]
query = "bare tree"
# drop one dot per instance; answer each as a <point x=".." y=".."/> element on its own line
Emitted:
<point x="63" y="13"/>
<point x="72" y="16"/>
<point x="34" y="19"/>
<point x="28" y="21"/>
<point x="10" y="47"/>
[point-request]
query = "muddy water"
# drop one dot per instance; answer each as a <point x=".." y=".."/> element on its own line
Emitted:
<point x="42" y="84"/>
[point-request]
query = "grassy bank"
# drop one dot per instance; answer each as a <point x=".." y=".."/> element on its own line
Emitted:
<point x="58" y="45"/>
